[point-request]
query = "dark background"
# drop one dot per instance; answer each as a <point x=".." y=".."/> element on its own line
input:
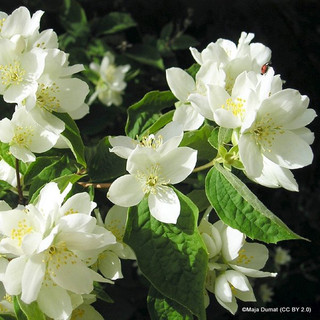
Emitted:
<point x="291" y="28"/>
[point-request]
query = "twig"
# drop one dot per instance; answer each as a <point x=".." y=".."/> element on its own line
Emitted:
<point x="21" y="199"/>
<point x="95" y="185"/>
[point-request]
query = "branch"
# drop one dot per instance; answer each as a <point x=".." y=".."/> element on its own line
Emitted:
<point x="21" y="199"/>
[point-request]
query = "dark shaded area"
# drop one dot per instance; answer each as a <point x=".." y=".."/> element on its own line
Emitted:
<point x="291" y="28"/>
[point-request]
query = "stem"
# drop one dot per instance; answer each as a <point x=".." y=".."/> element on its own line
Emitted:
<point x="95" y="185"/>
<point x="21" y="199"/>
<point x="207" y="165"/>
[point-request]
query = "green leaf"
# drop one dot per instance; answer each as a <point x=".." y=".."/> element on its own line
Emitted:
<point x="146" y="112"/>
<point x="239" y="208"/>
<point x="72" y="137"/>
<point x="104" y="165"/>
<point x="100" y="293"/>
<point x="199" y="198"/>
<point x="115" y="22"/>
<point x="193" y="70"/>
<point x="164" y="308"/>
<point x="171" y="256"/>
<point x="214" y="139"/>
<point x="17" y="309"/>
<point x="37" y="166"/>
<point x="166" y="31"/>
<point x="184" y="42"/>
<point x="198" y="140"/>
<point x="73" y="18"/>
<point x="4" y="316"/>
<point x="146" y="54"/>
<point x="160" y="123"/>
<point x="224" y="135"/>
<point x="56" y="169"/>
<point x="31" y="310"/>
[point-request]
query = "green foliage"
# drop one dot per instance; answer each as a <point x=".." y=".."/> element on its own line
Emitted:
<point x="73" y="138"/>
<point x="73" y="18"/>
<point x="162" y="308"/>
<point x="7" y="317"/>
<point x="239" y="208"/>
<point x="27" y="311"/>
<point x="114" y="22"/>
<point x="198" y="140"/>
<point x="146" y="112"/>
<point x="171" y="256"/>
<point x="104" y="165"/>
<point x="56" y="169"/>
<point x="146" y="54"/>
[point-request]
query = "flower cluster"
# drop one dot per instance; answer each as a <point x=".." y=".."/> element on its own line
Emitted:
<point x="35" y="75"/>
<point x="231" y="260"/>
<point x="53" y="247"/>
<point x="236" y="89"/>
<point x="153" y="163"/>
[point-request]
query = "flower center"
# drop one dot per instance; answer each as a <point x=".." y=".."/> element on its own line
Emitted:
<point x="264" y="132"/>
<point x="111" y="70"/>
<point x="151" y="180"/>
<point x="59" y="256"/>
<point x="151" y="141"/>
<point x="1" y="23"/>
<point x="22" y="136"/>
<point x="46" y="97"/>
<point x="243" y="258"/>
<point x="77" y="314"/>
<point x="235" y="106"/>
<point x="12" y="74"/>
<point x="22" y="230"/>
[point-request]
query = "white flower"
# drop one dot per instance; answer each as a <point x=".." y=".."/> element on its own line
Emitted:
<point x="25" y="136"/>
<point x="19" y="72"/>
<point x="281" y="257"/>
<point x="8" y="173"/>
<point x="109" y="260"/>
<point x="234" y="59"/>
<point x="230" y="285"/>
<point x="227" y="249"/>
<point x="57" y="92"/>
<point x="47" y="240"/>
<point x="188" y="90"/>
<point x="150" y="174"/>
<point x="277" y="132"/>
<point x="266" y="293"/>
<point x="19" y="23"/>
<point x="110" y="86"/>
<point x="166" y="139"/>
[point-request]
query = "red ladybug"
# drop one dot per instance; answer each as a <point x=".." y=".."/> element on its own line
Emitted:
<point x="264" y="68"/>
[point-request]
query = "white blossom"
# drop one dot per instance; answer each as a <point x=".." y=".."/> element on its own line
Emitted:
<point x="111" y="83"/>
<point x="8" y="173"/>
<point x="19" y="72"/>
<point x="25" y="136"/>
<point x="150" y="174"/>
<point x="46" y="240"/>
<point x="267" y="137"/>
<point x="165" y="140"/>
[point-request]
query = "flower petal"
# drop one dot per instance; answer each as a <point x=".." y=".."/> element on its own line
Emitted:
<point x="188" y="116"/>
<point x="32" y="278"/>
<point x="125" y="191"/>
<point x="164" y="205"/>
<point x="180" y="83"/>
